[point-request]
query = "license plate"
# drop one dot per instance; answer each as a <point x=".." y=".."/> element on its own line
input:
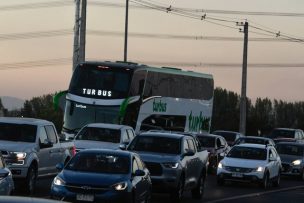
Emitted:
<point x="237" y="175"/>
<point x="85" y="197"/>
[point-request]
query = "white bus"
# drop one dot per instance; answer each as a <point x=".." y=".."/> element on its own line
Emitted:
<point x="140" y="96"/>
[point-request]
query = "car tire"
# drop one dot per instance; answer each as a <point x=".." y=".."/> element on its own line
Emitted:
<point x="276" y="183"/>
<point x="177" y="194"/>
<point x="198" y="191"/>
<point x="265" y="182"/>
<point x="30" y="181"/>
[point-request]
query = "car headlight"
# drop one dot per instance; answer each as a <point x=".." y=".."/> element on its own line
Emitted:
<point x="58" y="181"/>
<point x="220" y="165"/>
<point x="173" y="165"/>
<point x="296" y="162"/>
<point x="260" y="169"/>
<point x="120" y="186"/>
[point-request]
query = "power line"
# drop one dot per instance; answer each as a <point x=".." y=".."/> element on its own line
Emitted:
<point x="64" y="32"/>
<point x="64" y="61"/>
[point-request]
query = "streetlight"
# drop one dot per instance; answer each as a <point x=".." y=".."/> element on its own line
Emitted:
<point x="126" y="31"/>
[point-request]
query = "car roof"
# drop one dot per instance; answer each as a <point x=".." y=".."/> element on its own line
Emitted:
<point x="255" y="137"/>
<point x="106" y="125"/>
<point x="208" y="135"/>
<point x="24" y="120"/>
<point x="226" y="131"/>
<point x="260" y="146"/>
<point x="107" y="151"/>
<point x="291" y="143"/>
<point x="164" y="134"/>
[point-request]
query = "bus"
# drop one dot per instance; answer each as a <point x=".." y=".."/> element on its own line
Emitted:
<point x="140" y="96"/>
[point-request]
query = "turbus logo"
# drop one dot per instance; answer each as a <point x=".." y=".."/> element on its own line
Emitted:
<point x="159" y="106"/>
<point x="198" y="123"/>
<point x="96" y="92"/>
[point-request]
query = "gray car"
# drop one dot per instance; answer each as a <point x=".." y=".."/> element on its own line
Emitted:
<point x="292" y="156"/>
<point x="6" y="179"/>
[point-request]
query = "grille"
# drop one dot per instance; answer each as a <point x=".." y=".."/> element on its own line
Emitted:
<point x="85" y="189"/>
<point x="238" y="169"/>
<point x="155" y="169"/>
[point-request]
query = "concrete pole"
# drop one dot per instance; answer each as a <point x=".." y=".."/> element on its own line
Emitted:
<point x="244" y="83"/>
<point x="76" y="35"/>
<point x="126" y="32"/>
<point x="82" y="38"/>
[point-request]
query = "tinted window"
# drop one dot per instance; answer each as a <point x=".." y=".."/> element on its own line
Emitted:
<point x="98" y="81"/>
<point x="138" y="82"/>
<point x="206" y="141"/>
<point x="156" y="144"/>
<point x="179" y="86"/>
<point x="227" y="135"/>
<point x="99" y="134"/>
<point x="251" y="140"/>
<point x="247" y="153"/>
<point x="99" y="163"/>
<point x="51" y="133"/>
<point x="290" y="150"/>
<point x="281" y="133"/>
<point x="18" y="132"/>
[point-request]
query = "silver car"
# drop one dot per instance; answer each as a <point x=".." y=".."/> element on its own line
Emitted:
<point x="292" y="156"/>
<point x="6" y="179"/>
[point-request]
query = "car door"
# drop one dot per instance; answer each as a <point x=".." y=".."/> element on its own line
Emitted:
<point x="138" y="182"/>
<point x="191" y="164"/>
<point x="45" y="165"/>
<point x="273" y="165"/>
<point x="145" y="183"/>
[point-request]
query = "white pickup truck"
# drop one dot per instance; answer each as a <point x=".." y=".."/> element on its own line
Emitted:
<point x="31" y="148"/>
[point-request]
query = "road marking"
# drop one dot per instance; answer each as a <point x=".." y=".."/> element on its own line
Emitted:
<point x="255" y="194"/>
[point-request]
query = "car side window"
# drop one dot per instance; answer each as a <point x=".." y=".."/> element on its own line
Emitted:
<point x="130" y="134"/>
<point x="134" y="166"/>
<point x="1" y="163"/>
<point x="186" y="146"/>
<point x="42" y="135"/>
<point x="218" y="143"/>
<point x="140" y="164"/>
<point x="191" y="145"/>
<point x="275" y="154"/>
<point x="271" y="154"/>
<point x="223" y="141"/>
<point x="51" y="133"/>
<point x="125" y="137"/>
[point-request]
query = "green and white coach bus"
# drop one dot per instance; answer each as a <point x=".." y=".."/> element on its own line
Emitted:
<point x="140" y="96"/>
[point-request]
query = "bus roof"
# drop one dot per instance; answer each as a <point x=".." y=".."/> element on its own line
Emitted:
<point x="135" y="66"/>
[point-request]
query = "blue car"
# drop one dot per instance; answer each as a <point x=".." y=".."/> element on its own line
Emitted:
<point x="96" y="175"/>
<point x="6" y="179"/>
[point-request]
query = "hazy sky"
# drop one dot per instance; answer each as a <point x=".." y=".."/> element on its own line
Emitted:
<point x="275" y="82"/>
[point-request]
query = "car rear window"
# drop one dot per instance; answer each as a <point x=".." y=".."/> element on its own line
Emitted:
<point x="99" y="134"/>
<point x="206" y="141"/>
<point x="290" y="150"/>
<point x="247" y="153"/>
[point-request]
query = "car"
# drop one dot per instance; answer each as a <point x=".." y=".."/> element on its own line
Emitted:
<point x="97" y="175"/>
<point x="230" y="136"/>
<point x="6" y="179"/>
<point x="103" y="136"/>
<point x="292" y="157"/>
<point x="175" y="161"/>
<point x="252" y="163"/>
<point x="217" y="147"/>
<point x="255" y="140"/>
<point x="277" y="133"/>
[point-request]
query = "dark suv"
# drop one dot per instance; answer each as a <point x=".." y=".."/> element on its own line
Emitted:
<point x="279" y="133"/>
<point x="175" y="161"/>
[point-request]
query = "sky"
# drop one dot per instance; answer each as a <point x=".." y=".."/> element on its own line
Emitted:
<point x="21" y="75"/>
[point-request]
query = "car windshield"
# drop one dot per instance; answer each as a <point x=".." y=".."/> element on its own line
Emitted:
<point x="99" y="134"/>
<point x="247" y="153"/>
<point x="206" y="141"/>
<point x="18" y="132"/>
<point x="99" y="163"/>
<point x="229" y="136"/>
<point x="251" y="140"/>
<point x="280" y="133"/>
<point x="290" y="149"/>
<point x="156" y="144"/>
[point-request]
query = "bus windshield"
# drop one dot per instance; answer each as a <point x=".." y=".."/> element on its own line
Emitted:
<point x="103" y="82"/>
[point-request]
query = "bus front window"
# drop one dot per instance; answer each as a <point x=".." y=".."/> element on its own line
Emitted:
<point x="100" y="82"/>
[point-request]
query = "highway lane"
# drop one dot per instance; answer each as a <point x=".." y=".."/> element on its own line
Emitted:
<point x="290" y="188"/>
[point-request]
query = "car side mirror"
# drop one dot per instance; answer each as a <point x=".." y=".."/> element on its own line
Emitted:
<point x="126" y="142"/>
<point x="271" y="159"/>
<point x="189" y="153"/>
<point x="139" y="173"/>
<point x="59" y="166"/>
<point x="123" y="146"/>
<point x="46" y="144"/>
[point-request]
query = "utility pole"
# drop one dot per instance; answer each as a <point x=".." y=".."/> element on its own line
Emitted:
<point x="82" y="37"/>
<point x="244" y="83"/>
<point x="126" y="31"/>
<point x="76" y="35"/>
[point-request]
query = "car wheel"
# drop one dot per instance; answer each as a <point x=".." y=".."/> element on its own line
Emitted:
<point x="276" y="183"/>
<point x="31" y="179"/>
<point x="265" y="183"/>
<point x="198" y="191"/>
<point x="177" y="194"/>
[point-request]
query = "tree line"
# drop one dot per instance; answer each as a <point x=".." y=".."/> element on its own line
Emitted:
<point x="262" y="115"/>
